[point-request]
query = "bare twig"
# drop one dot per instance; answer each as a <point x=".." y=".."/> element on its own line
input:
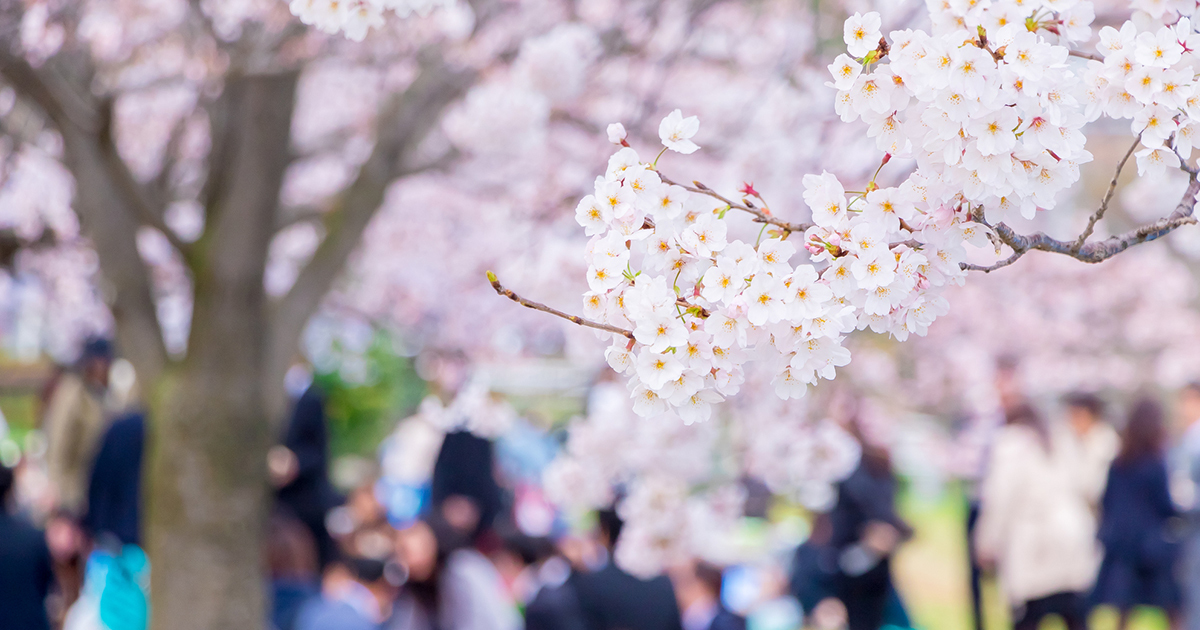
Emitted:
<point x="1098" y="251"/>
<point x="575" y="319"/>
<point x="990" y="268"/>
<point x="1086" y="55"/>
<point x="1112" y="188"/>
<point x="759" y="215"/>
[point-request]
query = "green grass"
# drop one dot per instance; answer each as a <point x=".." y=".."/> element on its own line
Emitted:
<point x="932" y="575"/>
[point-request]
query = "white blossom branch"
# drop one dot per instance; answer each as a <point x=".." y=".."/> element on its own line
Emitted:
<point x="537" y="306"/>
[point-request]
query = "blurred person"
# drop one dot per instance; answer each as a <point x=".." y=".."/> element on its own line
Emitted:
<point x="450" y="586"/>
<point x="300" y="469"/>
<point x="464" y="485"/>
<point x="612" y="599"/>
<point x="114" y="495"/>
<point x="115" y="591"/>
<point x="355" y="595"/>
<point x="539" y="576"/>
<point x="74" y="424"/>
<point x="813" y="573"/>
<point x="1140" y="551"/>
<point x="1188" y="409"/>
<point x="975" y="441"/>
<point x="26" y="572"/>
<point x="1097" y="440"/>
<point x="865" y="533"/>
<point x="1035" y="524"/>
<point x="292" y="566"/>
<point x="698" y="588"/>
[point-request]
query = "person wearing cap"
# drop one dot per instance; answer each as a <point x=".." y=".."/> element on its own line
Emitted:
<point x="74" y="423"/>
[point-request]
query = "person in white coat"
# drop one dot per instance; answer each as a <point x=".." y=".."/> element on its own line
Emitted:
<point x="1036" y="526"/>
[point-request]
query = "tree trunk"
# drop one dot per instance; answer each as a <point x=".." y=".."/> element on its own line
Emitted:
<point x="207" y="500"/>
<point x="207" y="490"/>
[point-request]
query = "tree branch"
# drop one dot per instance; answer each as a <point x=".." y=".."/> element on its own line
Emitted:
<point x="537" y="306"/>
<point x="125" y="181"/>
<point x="403" y="124"/>
<point x="1098" y="251"/>
<point x="760" y="216"/>
<point x="44" y="89"/>
<point x="1112" y="188"/>
<point x="1086" y="55"/>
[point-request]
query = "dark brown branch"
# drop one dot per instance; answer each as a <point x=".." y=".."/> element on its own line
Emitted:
<point x="760" y="216"/>
<point x="537" y="306"/>
<point x="1112" y="188"/>
<point x="1098" y="251"/>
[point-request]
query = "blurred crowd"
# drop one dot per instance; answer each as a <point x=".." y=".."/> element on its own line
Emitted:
<point x="1086" y="507"/>
<point x="1072" y="506"/>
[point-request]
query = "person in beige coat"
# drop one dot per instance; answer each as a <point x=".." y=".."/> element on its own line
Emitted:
<point x="74" y="423"/>
<point x="1036" y="525"/>
<point x="1097" y="441"/>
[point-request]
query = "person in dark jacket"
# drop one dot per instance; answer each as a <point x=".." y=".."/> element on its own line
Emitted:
<point x="612" y="599"/>
<point x="866" y="530"/>
<point x="813" y="575"/>
<point x="464" y="483"/>
<point x="305" y="488"/>
<point x="698" y="588"/>
<point x="550" y="601"/>
<point x="1140" y="551"/>
<point x="26" y="570"/>
<point x="115" y="488"/>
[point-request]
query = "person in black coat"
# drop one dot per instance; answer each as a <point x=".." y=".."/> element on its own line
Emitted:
<point x="26" y="569"/>
<point x="555" y="604"/>
<point x="612" y="599"/>
<point x="865" y="532"/>
<point x="306" y="490"/>
<point x="1140" y="551"/>
<point x="464" y="483"/>
<point x="115" y="487"/>
<point x="698" y="589"/>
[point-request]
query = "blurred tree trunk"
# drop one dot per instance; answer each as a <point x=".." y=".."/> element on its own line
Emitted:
<point x="207" y="493"/>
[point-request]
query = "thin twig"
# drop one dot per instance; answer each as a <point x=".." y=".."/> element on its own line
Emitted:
<point x="575" y="319"/>
<point x="759" y="215"/>
<point x="990" y="268"/>
<point x="1086" y="55"/>
<point x="1112" y="188"/>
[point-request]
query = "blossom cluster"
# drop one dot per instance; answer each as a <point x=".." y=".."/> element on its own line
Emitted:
<point x="987" y="104"/>
<point x="990" y="107"/>
<point x="675" y="506"/>
<point x="1148" y="76"/>
<point x="699" y="305"/>
<point x="355" y="18"/>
